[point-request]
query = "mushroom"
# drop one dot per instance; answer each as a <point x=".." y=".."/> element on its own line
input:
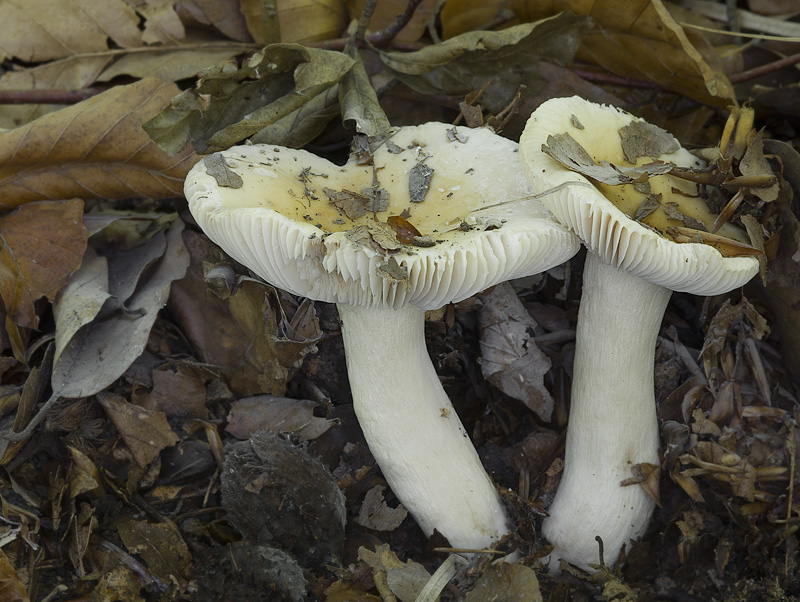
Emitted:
<point x="405" y="226"/>
<point x="631" y="269"/>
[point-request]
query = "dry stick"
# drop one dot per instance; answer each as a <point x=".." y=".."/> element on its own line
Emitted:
<point x="765" y="69"/>
<point x="56" y="97"/>
<point x="384" y="36"/>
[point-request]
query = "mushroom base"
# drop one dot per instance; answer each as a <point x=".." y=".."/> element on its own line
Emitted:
<point x="612" y="422"/>
<point x="412" y="428"/>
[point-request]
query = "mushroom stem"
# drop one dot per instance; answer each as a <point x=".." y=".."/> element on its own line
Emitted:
<point x="412" y="429"/>
<point x="612" y="421"/>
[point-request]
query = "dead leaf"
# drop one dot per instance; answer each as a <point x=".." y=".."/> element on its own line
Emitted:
<point x="231" y="103"/>
<point x="277" y="414"/>
<point x="145" y="433"/>
<point x="358" y="99"/>
<point x="567" y="151"/>
<point x="506" y="58"/>
<point x="102" y="323"/>
<point x="376" y="514"/>
<point x="84" y="476"/>
<point x="41" y="244"/>
<point x="506" y="582"/>
<point x="37" y="30"/>
<point x="160" y="545"/>
<point x="225" y="15"/>
<point x="639" y="39"/>
<point x="118" y="585"/>
<point x="405" y="579"/>
<point x="510" y="359"/>
<point x="12" y="589"/>
<point x="300" y="20"/>
<point x="460" y="16"/>
<point x="95" y="148"/>
<point x="177" y="391"/>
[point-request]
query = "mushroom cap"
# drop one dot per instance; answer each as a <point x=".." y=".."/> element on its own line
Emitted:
<point x="584" y="207"/>
<point x="320" y="230"/>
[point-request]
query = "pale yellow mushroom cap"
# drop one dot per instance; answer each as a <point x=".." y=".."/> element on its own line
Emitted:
<point x="606" y="228"/>
<point x="320" y="230"/>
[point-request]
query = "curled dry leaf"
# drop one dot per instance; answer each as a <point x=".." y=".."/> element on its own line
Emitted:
<point x="507" y="58"/>
<point x="272" y="88"/>
<point x="510" y="359"/>
<point x="41" y="244"/>
<point x="145" y="433"/>
<point x="105" y="313"/>
<point x="94" y="149"/>
<point x="640" y="39"/>
<point x="405" y="579"/>
<point x="12" y="589"/>
<point x="377" y="515"/>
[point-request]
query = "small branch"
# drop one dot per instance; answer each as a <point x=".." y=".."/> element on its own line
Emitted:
<point x="384" y="36"/>
<point x="743" y="76"/>
<point x="54" y="97"/>
<point x="614" y="80"/>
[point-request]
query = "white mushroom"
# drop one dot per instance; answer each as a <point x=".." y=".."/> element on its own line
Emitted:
<point x="630" y="272"/>
<point x="346" y="235"/>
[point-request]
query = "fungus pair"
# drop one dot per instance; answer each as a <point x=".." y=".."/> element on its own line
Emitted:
<point x="432" y="216"/>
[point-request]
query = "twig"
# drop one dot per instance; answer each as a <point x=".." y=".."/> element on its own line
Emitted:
<point x="614" y="80"/>
<point x="55" y="97"/>
<point x="384" y="36"/>
<point x="765" y="69"/>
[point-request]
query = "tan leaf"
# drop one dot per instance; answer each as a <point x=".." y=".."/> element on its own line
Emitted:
<point x="160" y="545"/>
<point x="95" y="148"/>
<point x="222" y="14"/>
<point x="162" y="24"/>
<point x="41" y="244"/>
<point x="41" y="30"/>
<point x="12" y="589"/>
<point x="639" y="39"/>
<point x="145" y="433"/>
<point x="301" y="20"/>
<point x="73" y="73"/>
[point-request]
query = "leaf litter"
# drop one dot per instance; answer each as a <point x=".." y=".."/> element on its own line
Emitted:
<point x="119" y="418"/>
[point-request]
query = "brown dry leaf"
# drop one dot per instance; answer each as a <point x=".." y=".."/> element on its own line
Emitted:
<point x="340" y="591"/>
<point x="162" y="25"/>
<point x="405" y="579"/>
<point x="95" y="148"/>
<point x="460" y="16"/>
<point x="222" y="14"/>
<point x="84" y="475"/>
<point x="377" y="515"/>
<point x="639" y="39"/>
<point x="510" y="359"/>
<point x="160" y="545"/>
<point x="41" y="244"/>
<point x="506" y="583"/>
<point x="12" y="589"/>
<point x="177" y="391"/>
<point x="40" y="30"/>
<point x="300" y="20"/>
<point x="119" y="585"/>
<point x="145" y="433"/>
<point x="234" y="323"/>
<point x="277" y="414"/>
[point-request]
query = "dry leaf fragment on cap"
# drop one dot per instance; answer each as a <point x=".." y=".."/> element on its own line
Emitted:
<point x="297" y="222"/>
<point x="631" y="270"/>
